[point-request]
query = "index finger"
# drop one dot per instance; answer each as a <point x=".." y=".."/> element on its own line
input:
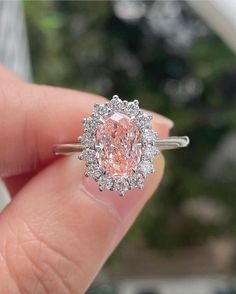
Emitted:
<point x="33" y="119"/>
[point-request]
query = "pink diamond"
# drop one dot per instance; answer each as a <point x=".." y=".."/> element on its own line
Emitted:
<point x="118" y="145"/>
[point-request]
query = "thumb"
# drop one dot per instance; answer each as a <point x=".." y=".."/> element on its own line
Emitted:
<point x="59" y="229"/>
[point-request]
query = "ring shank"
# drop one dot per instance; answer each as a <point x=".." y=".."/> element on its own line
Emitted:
<point x="162" y="144"/>
<point x="67" y="149"/>
<point x="172" y="143"/>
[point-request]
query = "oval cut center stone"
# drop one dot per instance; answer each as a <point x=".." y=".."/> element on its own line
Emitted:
<point x="118" y="145"/>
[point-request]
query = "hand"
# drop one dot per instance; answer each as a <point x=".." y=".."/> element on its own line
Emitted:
<point x="58" y="229"/>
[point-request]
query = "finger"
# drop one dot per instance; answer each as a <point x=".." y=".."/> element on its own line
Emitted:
<point x="33" y="119"/>
<point x="59" y="230"/>
<point x="15" y="183"/>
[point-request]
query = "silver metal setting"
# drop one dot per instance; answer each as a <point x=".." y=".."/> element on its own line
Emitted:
<point x="151" y="145"/>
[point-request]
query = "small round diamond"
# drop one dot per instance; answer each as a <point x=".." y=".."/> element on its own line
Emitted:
<point x="90" y="124"/>
<point x="102" y="109"/>
<point x="143" y="120"/>
<point x="89" y="156"/>
<point x="116" y="104"/>
<point x="150" y="152"/>
<point x="146" y="167"/>
<point x="105" y="183"/>
<point x="137" y="181"/>
<point x="94" y="171"/>
<point x="87" y="141"/>
<point x="132" y="109"/>
<point x="149" y="136"/>
<point x="121" y="186"/>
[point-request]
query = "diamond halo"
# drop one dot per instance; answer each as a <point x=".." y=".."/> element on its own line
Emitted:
<point x="130" y="141"/>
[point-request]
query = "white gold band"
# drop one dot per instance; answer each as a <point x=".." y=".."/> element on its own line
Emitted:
<point x="162" y="144"/>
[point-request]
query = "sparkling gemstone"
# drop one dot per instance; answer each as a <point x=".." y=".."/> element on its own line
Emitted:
<point x="102" y="109"/>
<point x="105" y="183"/>
<point x="132" y="109"/>
<point x="94" y="171"/>
<point x="118" y="145"/>
<point x="150" y="151"/>
<point x="116" y="105"/>
<point x="87" y="141"/>
<point x="144" y="120"/>
<point x="121" y="186"/>
<point x="137" y="181"/>
<point x="90" y="124"/>
<point x="146" y="167"/>
<point x="149" y="136"/>
<point x="89" y="156"/>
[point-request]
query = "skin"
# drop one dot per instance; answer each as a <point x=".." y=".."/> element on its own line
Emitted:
<point x="58" y="230"/>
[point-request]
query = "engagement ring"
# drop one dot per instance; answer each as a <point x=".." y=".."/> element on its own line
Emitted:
<point x="118" y="145"/>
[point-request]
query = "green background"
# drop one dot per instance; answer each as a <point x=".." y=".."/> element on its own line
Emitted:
<point x="87" y="46"/>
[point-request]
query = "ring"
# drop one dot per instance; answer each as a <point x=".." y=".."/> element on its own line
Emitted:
<point x="118" y="145"/>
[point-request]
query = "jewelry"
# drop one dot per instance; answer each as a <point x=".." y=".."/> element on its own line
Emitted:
<point x="119" y="145"/>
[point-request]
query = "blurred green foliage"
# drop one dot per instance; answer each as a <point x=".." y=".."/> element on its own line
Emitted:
<point x="88" y="46"/>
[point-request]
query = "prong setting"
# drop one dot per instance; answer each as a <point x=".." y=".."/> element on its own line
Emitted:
<point x="117" y="183"/>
